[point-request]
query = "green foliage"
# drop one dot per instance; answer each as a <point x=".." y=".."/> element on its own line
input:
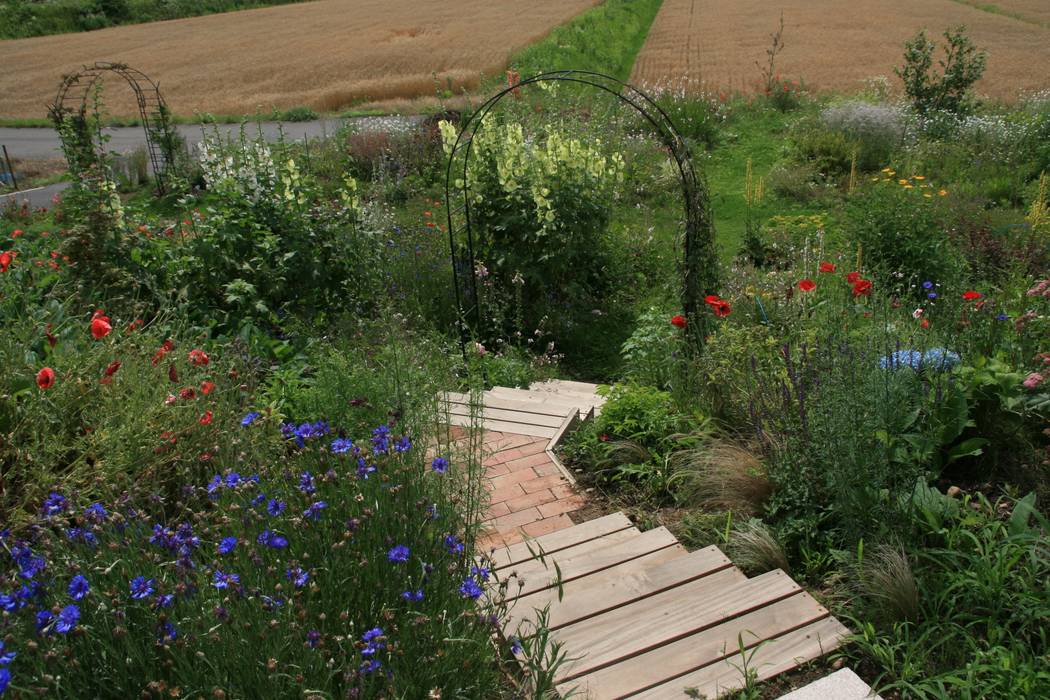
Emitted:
<point x="962" y="66"/>
<point x="903" y="235"/>
<point x="639" y="413"/>
<point x="649" y="354"/>
<point x="25" y="18"/>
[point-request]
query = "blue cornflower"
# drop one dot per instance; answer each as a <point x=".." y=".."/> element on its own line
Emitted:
<point x="398" y="554"/>
<point x="43" y="619"/>
<point x="271" y="604"/>
<point x="370" y="666"/>
<point x="8" y="603"/>
<point x="364" y="468"/>
<point x="480" y="572"/>
<point x="232" y="480"/>
<point x="31" y="565"/>
<point x="5" y="679"/>
<point x="227" y="545"/>
<point x="902" y="358"/>
<point x="95" y="512"/>
<point x="54" y="504"/>
<point x="275" y="507"/>
<point x="306" y="483"/>
<point x="259" y="498"/>
<point x="515" y="645"/>
<point x="78" y="587"/>
<point x="164" y="601"/>
<point x="6" y="657"/>
<point x="453" y="544"/>
<point x="297" y="576"/>
<point x="440" y="465"/>
<point x="403" y="444"/>
<point x="272" y="540"/>
<point x="142" y="587"/>
<point x="67" y="619"/>
<point x="249" y="419"/>
<point x="214" y="485"/>
<point x="381" y="439"/>
<point x="1002" y="317"/>
<point x="374" y="633"/>
<point x="470" y="589"/>
<point x="927" y="284"/>
<point x="931" y="295"/>
<point x="413" y="596"/>
<point x="940" y="359"/>
<point x="223" y="580"/>
<point x="167" y="632"/>
<point x="313" y="638"/>
<point x="314" y="510"/>
<point x="341" y="445"/>
<point x="432" y="512"/>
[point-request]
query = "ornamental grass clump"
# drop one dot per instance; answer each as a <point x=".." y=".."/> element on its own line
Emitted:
<point x="334" y="563"/>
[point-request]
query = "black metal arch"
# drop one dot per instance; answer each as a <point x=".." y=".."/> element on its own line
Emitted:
<point x="71" y="104"/>
<point x="699" y="260"/>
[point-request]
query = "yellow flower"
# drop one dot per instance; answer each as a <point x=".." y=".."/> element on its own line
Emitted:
<point x="943" y="193"/>
<point x="927" y="195"/>
<point x="902" y="182"/>
<point x="918" y="177"/>
<point x="886" y="170"/>
<point x="908" y="187"/>
<point x="875" y="179"/>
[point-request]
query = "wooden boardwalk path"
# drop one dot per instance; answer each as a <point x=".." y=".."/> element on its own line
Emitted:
<point x="639" y="615"/>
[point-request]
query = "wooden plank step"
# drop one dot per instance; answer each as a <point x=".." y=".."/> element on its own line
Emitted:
<point x="666" y="617"/>
<point x="557" y="541"/>
<point x="568" y="385"/>
<point x="707" y="647"/>
<point x="772" y="658"/>
<point x="543" y="419"/>
<point x="588" y="558"/>
<point x="503" y="426"/>
<point x="544" y="408"/>
<point x="622" y="584"/>
<point x="546" y="398"/>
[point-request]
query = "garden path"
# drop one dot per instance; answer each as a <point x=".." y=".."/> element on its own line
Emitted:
<point x="637" y="614"/>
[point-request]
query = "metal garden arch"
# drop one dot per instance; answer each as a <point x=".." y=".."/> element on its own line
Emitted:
<point x="699" y="260"/>
<point x="71" y="105"/>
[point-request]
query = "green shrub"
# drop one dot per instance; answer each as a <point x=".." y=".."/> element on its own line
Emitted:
<point x="649" y="355"/>
<point x="962" y="66"/>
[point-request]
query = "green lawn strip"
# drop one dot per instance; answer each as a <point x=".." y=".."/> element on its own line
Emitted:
<point x="606" y="39"/>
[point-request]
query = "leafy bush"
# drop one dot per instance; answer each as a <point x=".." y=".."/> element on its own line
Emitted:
<point x="874" y="131"/>
<point x="962" y="66"/>
<point x="902" y="229"/>
<point x="649" y="354"/>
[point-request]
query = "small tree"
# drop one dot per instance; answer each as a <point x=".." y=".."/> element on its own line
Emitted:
<point x="962" y="66"/>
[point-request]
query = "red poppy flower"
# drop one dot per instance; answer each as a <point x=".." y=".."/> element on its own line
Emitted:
<point x="198" y="357"/>
<point x="188" y="393"/>
<point x="16" y="233"/>
<point x="722" y="308"/>
<point x="924" y="323"/>
<point x="852" y="277"/>
<point x="112" y="368"/>
<point x="712" y="299"/>
<point x="206" y="387"/>
<point x="827" y="267"/>
<point x="137" y="323"/>
<point x="5" y="261"/>
<point x="862" y="288"/>
<point x="807" y="285"/>
<point x="679" y="321"/>
<point x="206" y="418"/>
<point x="971" y="295"/>
<point x="45" y="378"/>
<point x="100" y="326"/>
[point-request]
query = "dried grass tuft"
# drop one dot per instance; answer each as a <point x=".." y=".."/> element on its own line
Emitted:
<point x="753" y="547"/>
<point x="884" y="580"/>
<point x="721" y="475"/>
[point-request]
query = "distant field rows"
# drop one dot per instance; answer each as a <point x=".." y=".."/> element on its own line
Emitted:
<point x="833" y="44"/>
<point x="325" y="54"/>
<point x="1032" y="10"/>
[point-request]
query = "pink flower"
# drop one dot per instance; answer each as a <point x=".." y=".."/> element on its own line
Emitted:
<point x="1033" y="380"/>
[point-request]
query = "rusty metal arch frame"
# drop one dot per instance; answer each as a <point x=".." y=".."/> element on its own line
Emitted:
<point x="72" y="100"/>
<point x="699" y="262"/>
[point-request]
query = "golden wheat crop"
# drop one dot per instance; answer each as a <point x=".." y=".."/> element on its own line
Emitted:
<point x="829" y="44"/>
<point x="324" y="54"/>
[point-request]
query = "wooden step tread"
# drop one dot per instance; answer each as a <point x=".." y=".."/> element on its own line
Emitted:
<point x="771" y="658"/>
<point x="622" y="584"/>
<point x="557" y="541"/>
<point x="548" y="420"/>
<point x="502" y="426"/>
<point x="589" y="557"/>
<point x="490" y="401"/>
<point x="707" y="647"/>
<point x="567" y="384"/>
<point x="666" y="617"/>
<point x="544" y="398"/>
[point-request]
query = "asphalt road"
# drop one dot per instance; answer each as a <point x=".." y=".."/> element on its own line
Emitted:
<point x="41" y="143"/>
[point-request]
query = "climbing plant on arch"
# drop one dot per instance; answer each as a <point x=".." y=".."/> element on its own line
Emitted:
<point x="698" y="261"/>
<point x="81" y="133"/>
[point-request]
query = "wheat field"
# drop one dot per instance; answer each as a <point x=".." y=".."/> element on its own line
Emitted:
<point x="830" y="44"/>
<point x="325" y="54"/>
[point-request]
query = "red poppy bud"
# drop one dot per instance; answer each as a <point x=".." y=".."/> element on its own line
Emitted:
<point x="198" y="357"/>
<point x="173" y="374"/>
<point x="188" y="393"/>
<point x="679" y="321"/>
<point x="113" y="367"/>
<point x="862" y="288"/>
<point x="971" y="295"/>
<point x="45" y="378"/>
<point x="206" y="418"/>
<point x="807" y="285"/>
<point x="924" y="323"/>
<point x="827" y="267"/>
<point x="5" y="261"/>
<point x="206" y="387"/>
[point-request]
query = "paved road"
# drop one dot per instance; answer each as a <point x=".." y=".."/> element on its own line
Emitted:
<point x="41" y="143"/>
